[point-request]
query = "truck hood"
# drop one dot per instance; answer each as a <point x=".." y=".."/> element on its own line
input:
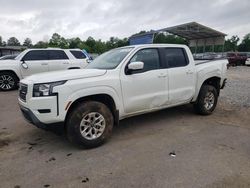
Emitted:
<point x="64" y="75"/>
<point x="7" y="62"/>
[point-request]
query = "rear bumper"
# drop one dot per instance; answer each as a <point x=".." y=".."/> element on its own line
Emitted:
<point x="224" y="83"/>
<point x="31" y="118"/>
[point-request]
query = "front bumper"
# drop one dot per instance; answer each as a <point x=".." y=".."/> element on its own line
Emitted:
<point x="31" y="118"/>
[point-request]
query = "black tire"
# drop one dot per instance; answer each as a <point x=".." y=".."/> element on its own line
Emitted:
<point x="77" y="115"/>
<point x="200" y="106"/>
<point x="8" y="81"/>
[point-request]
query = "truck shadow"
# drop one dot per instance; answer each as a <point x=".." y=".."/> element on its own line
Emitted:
<point x="153" y="120"/>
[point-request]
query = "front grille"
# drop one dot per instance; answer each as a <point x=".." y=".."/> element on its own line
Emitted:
<point x="23" y="92"/>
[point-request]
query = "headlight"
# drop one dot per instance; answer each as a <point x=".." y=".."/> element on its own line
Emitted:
<point x="45" y="89"/>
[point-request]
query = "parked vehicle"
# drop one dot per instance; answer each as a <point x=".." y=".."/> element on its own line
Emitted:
<point x="6" y="57"/>
<point x="248" y="60"/>
<point x="34" y="61"/>
<point x="118" y="84"/>
<point x="236" y="59"/>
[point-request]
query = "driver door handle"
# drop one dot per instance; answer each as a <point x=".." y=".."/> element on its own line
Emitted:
<point x="190" y="72"/>
<point x="162" y="76"/>
<point x="44" y="63"/>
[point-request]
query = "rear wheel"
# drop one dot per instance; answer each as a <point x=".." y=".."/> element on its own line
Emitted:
<point x="8" y="81"/>
<point x="89" y="124"/>
<point x="207" y="100"/>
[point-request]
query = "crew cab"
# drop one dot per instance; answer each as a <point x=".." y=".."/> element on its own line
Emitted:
<point x="32" y="61"/>
<point x="120" y="83"/>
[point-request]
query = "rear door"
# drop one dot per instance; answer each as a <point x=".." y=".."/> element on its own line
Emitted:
<point x="181" y="75"/>
<point x="34" y="61"/>
<point x="80" y="58"/>
<point x="58" y="60"/>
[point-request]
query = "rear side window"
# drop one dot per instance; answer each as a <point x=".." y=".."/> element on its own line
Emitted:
<point x="57" y="54"/>
<point x="175" y="57"/>
<point x="36" y="55"/>
<point x="78" y="54"/>
<point x="150" y="58"/>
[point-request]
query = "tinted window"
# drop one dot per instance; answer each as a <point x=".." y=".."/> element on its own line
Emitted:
<point x="36" y="55"/>
<point x="150" y="58"/>
<point x="78" y="54"/>
<point x="175" y="57"/>
<point x="57" y="54"/>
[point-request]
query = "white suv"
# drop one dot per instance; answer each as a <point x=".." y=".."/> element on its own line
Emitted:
<point x="34" y="61"/>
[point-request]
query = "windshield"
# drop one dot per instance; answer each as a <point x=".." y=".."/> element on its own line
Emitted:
<point x="20" y="55"/>
<point x="110" y="59"/>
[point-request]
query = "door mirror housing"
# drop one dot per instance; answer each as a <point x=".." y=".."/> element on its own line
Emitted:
<point x="137" y="65"/>
<point x="24" y="65"/>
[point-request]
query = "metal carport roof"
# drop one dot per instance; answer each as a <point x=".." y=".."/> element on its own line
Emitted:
<point x="193" y="30"/>
<point x="196" y="34"/>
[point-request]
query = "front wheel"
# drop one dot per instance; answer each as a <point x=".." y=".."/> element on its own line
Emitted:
<point x="207" y="100"/>
<point x="89" y="124"/>
<point x="8" y="81"/>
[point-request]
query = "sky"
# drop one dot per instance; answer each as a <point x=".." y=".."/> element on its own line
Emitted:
<point x="39" y="19"/>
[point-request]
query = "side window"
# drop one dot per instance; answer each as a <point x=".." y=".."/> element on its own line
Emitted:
<point x="78" y="54"/>
<point x="36" y="55"/>
<point x="175" y="57"/>
<point x="57" y="54"/>
<point x="150" y="58"/>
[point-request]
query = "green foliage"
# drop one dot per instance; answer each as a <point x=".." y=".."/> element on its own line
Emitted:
<point x="245" y="44"/>
<point x="58" y="41"/>
<point x="27" y="42"/>
<point x="98" y="46"/>
<point x="13" y="41"/>
<point x="232" y="43"/>
<point x="41" y="44"/>
<point x="169" y="39"/>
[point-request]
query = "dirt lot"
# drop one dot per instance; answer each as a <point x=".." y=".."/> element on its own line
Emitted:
<point x="211" y="151"/>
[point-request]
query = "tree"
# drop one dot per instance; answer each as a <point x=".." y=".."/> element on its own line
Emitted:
<point x="75" y="42"/>
<point x="245" y="44"/>
<point x="170" y="39"/>
<point x="231" y="44"/>
<point x="58" y="41"/>
<point x="27" y="42"/>
<point x="90" y="42"/>
<point x="1" y="41"/>
<point x="41" y="44"/>
<point x="13" y="41"/>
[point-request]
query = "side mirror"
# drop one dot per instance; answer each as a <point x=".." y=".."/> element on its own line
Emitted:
<point x="24" y="65"/>
<point x="137" y="65"/>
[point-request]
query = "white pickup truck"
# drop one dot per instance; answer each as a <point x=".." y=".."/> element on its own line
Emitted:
<point x="32" y="61"/>
<point x="118" y="84"/>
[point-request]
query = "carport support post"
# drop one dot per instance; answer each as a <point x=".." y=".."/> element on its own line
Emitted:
<point x="196" y="46"/>
<point x="204" y="46"/>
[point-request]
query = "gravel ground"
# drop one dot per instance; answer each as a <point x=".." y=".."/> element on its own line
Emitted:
<point x="169" y="148"/>
<point x="237" y="92"/>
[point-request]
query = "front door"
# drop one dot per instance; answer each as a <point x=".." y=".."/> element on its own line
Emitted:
<point x="146" y="89"/>
<point x="35" y="61"/>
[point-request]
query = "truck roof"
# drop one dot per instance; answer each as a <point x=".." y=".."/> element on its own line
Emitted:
<point x="157" y="45"/>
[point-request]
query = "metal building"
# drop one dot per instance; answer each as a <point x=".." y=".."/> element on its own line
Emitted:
<point x="10" y="50"/>
<point x="197" y="35"/>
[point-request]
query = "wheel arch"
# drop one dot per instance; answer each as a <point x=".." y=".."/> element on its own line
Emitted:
<point x="11" y="71"/>
<point x="104" y="98"/>
<point x="213" y="81"/>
